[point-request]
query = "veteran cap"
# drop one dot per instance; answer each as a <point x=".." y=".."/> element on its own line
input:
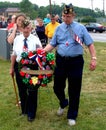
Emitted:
<point x="68" y="9"/>
<point x="25" y="23"/>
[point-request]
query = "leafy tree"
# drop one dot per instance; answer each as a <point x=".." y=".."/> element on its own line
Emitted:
<point x="42" y="12"/>
<point x="99" y="12"/>
<point x="8" y="4"/>
<point x="28" y="8"/>
<point x="35" y="7"/>
<point x="88" y="19"/>
<point x="33" y="10"/>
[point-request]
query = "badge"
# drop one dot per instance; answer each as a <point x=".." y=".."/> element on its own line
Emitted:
<point x="67" y="43"/>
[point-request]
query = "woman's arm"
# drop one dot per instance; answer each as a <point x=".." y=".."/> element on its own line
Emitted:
<point x="11" y="37"/>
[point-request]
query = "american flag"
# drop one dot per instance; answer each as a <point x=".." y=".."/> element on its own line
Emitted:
<point x="77" y="39"/>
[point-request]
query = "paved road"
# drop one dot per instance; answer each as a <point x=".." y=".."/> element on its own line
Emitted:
<point x="99" y="37"/>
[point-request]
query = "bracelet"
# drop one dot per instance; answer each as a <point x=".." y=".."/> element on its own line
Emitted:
<point x="94" y="58"/>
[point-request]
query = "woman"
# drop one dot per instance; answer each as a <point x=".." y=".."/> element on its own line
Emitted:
<point x="17" y="28"/>
<point x="40" y="30"/>
<point x="12" y="33"/>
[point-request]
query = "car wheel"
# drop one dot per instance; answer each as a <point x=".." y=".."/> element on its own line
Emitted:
<point x="94" y="30"/>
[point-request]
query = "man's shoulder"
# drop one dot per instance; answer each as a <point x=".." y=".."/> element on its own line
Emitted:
<point x="18" y="37"/>
<point x="31" y="36"/>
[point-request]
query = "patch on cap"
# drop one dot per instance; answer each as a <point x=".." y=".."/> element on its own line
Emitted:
<point x="68" y="9"/>
<point x="25" y="23"/>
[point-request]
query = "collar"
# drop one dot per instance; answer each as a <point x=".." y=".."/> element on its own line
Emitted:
<point x="71" y="24"/>
<point x="26" y="37"/>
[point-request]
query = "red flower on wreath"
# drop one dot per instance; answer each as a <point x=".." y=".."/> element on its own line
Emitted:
<point x="49" y="75"/>
<point x="52" y="62"/>
<point x="22" y="73"/>
<point x="30" y="81"/>
<point x="40" y="76"/>
<point x="30" y="54"/>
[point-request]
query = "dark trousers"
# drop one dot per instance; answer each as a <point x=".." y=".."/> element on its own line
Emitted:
<point x="28" y="97"/>
<point x="70" y="68"/>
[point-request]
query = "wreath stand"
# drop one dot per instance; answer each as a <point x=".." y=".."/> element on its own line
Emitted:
<point x="37" y="72"/>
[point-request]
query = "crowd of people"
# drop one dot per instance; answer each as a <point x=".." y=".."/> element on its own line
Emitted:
<point x="67" y="37"/>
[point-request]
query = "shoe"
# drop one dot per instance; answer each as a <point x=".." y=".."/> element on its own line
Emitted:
<point x="30" y="119"/>
<point x="71" y="122"/>
<point x="22" y="114"/>
<point x="60" y="111"/>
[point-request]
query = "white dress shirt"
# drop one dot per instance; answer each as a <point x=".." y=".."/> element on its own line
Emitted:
<point x="33" y="43"/>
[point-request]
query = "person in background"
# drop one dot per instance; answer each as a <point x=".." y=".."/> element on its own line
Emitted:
<point x="40" y="30"/>
<point x="50" y="28"/>
<point x="16" y="29"/>
<point x="28" y="96"/>
<point x="14" y="32"/>
<point x="58" y="19"/>
<point x="47" y="19"/>
<point x="36" y="22"/>
<point x="3" y="22"/>
<point x="68" y="40"/>
<point x="11" y="24"/>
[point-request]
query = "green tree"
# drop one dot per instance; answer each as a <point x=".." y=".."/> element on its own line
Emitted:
<point x="28" y="8"/>
<point x="42" y="12"/>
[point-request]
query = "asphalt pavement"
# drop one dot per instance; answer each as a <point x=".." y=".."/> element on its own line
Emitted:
<point x="99" y="37"/>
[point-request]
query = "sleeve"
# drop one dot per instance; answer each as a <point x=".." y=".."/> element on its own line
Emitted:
<point x="54" y="39"/>
<point x="87" y="37"/>
<point x="14" y="47"/>
<point x="46" y="30"/>
<point x="38" y="45"/>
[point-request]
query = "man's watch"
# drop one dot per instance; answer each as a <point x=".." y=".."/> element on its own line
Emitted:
<point x="94" y="58"/>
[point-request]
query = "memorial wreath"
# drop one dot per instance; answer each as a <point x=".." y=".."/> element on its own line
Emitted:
<point x="36" y="68"/>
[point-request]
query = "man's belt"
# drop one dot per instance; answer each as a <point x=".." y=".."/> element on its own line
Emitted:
<point x="68" y="57"/>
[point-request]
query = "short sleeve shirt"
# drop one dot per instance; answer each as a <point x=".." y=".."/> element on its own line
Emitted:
<point x="32" y="41"/>
<point x="64" y="39"/>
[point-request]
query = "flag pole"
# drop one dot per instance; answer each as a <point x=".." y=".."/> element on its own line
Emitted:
<point x="50" y="6"/>
<point x="15" y="90"/>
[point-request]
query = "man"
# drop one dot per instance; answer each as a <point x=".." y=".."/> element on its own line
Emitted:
<point x="47" y="19"/>
<point x="25" y="42"/>
<point x="3" y="22"/>
<point x="50" y="28"/>
<point x="68" y="39"/>
<point x="58" y="19"/>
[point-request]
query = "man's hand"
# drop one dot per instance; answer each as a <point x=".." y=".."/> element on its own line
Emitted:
<point x="92" y="64"/>
<point x="12" y="72"/>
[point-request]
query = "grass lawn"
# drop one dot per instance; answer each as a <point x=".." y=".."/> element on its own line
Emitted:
<point x="92" y="111"/>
